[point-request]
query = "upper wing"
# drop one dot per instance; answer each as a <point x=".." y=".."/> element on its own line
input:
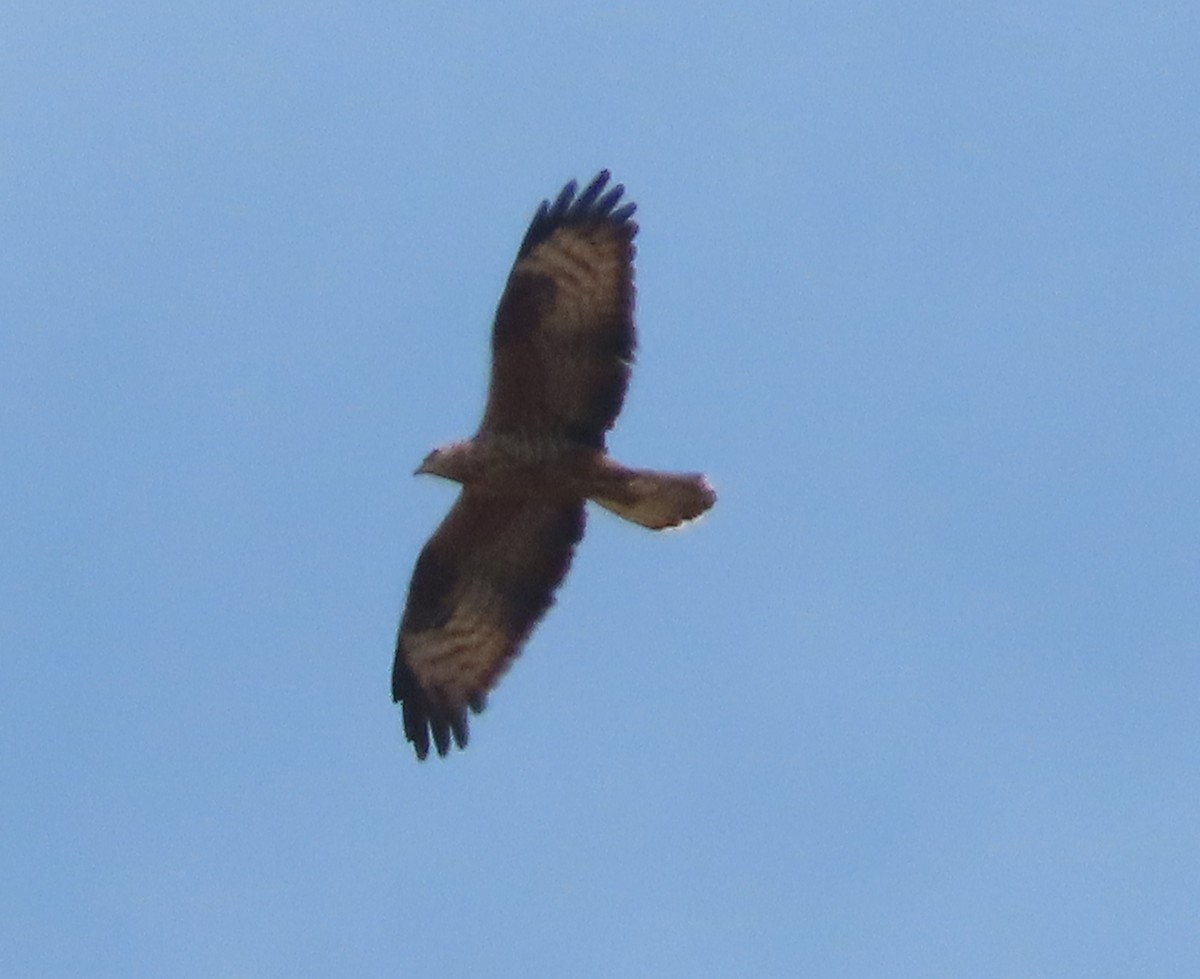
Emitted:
<point x="480" y="585"/>
<point x="563" y="340"/>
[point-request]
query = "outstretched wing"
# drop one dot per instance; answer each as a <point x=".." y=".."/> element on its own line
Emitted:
<point x="563" y="340"/>
<point x="480" y="585"/>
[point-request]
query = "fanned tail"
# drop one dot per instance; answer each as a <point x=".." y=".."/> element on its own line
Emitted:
<point x="656" y="500"/>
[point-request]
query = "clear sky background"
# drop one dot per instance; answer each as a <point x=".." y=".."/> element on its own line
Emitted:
<point x="918" y="288"/>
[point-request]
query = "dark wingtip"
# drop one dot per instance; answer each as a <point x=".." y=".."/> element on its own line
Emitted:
<point x="423" y="722"/>
<point x="592" y="205"/>
<point x="592" y="191"/>
<point x="441" y="736"/>
<point x="424" y="719"/>
<point x="416" y="728"/>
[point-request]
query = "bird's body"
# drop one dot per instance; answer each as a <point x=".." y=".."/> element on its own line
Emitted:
<point x="530" y="469"/>
<point x="562" y="347"/>
<point x="509" y="464"/>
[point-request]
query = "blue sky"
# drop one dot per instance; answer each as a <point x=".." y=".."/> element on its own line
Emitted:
<point x="917" y="288"/>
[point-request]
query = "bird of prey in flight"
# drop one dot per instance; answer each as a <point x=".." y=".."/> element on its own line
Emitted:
<point x="562" y="349"/>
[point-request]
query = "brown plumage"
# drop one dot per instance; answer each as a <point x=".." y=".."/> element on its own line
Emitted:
<point x="562" y="346"/>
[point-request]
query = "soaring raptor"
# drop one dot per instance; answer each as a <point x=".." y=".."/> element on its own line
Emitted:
<point x="562" y="348"/>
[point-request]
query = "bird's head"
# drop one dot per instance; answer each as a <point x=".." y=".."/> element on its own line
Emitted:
<point x="449" y="462"/>
<point x="428" y="466"/>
